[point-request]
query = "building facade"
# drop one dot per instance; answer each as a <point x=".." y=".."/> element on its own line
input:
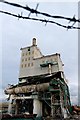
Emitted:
<point x="42" y="89"/>
<point x="34" y="63"/>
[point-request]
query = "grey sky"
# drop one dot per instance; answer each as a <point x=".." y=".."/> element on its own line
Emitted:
<point x="50" y="39"/>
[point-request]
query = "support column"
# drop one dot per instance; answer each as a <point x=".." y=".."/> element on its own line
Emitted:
<point x="37" y="106"/>
<point x="10" y="105"/>
<point x="52" y="107"/>
<point x="50" y="69"/>
<point x="16" y="108"/>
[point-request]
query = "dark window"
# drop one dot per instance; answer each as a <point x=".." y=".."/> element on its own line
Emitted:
<point x="29" y="49"/>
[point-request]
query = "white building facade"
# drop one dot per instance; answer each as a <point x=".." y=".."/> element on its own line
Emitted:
<point x="34" y="63"/>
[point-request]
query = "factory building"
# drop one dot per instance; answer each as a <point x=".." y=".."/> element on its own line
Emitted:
<point x="42" y="90"/>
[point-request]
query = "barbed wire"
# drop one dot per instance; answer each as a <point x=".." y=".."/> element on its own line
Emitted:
<point x="38" y="12"/>
<point x="42" y="20"/>
<point x="73" y="19"/>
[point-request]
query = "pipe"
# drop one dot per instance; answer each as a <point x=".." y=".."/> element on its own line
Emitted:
<point x="28" y="88"/>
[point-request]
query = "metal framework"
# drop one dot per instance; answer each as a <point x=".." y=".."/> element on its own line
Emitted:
<point x="52" y="92"/>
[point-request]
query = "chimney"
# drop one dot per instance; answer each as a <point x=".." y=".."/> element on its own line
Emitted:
<point x="34" y="41"/>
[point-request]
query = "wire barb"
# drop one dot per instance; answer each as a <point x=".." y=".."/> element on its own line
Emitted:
<point x="20" y="15"/>
<point x="33" y="10"/>
<point x="37" y="7"/>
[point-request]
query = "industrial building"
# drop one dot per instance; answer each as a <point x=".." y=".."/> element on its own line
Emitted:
<point x="42" y="90"/>
<point x="35" y="63"/>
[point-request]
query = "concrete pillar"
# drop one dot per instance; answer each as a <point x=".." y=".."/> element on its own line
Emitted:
<point x="16" y="108"/>
<point x="18" y="105"/>
<point x="37" y="107"/>
<point x="10" y="105"/>
<point x="50" y="69"/>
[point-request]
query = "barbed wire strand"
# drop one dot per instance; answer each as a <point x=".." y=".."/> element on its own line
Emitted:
<point x="41" y="20"/>
<point x="73" y="19"/>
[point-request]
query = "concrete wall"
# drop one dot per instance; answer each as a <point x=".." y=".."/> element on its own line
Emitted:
<point x="31" y="58"/>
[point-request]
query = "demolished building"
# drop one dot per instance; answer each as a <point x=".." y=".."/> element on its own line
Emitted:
<point x="42" y="90"/>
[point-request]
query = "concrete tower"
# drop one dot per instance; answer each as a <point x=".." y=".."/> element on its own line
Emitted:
<point x="33" y="63"/>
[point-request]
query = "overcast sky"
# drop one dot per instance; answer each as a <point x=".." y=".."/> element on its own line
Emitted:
<point x="51" y="38"/>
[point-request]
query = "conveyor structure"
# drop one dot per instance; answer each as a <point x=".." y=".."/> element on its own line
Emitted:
<point x="51" y="98"/>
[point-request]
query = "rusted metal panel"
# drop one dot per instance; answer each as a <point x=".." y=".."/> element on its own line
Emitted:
<point x="28" y="88"/>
